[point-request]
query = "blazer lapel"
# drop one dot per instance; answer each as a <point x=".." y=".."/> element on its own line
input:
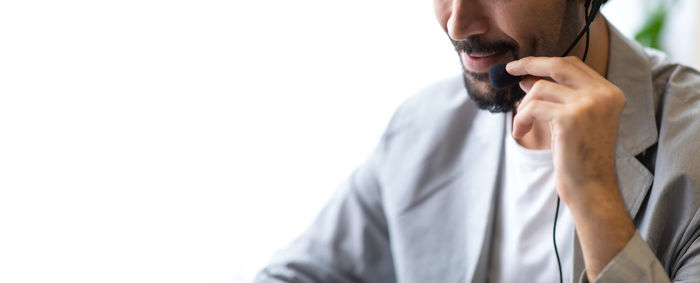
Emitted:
<point x="485" y="155"/>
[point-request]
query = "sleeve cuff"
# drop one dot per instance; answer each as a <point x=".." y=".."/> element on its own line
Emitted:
<point x="634" y="263"/>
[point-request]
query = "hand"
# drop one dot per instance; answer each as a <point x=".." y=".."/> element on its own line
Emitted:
<point x="583" y="111"/>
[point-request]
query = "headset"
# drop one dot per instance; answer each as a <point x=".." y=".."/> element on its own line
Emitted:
<point x="501" y="79"/>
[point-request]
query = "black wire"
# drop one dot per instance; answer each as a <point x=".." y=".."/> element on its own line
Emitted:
<point x="571" y="47"/>
<point x="554" y="237"/>
<point x="589" y="20"/>
<point x="585" y="52"/>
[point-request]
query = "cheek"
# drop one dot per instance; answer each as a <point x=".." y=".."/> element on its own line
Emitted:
<point x="543" y="29"/>
<point x="526" y="24"/>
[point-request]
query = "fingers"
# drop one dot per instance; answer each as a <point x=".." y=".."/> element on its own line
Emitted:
<point x="536" y="110"/>
<point x="543" y="101"/>
<point x="575" y="89"/>
<point x="542" y="89"/>
<point x="567" y="71"/>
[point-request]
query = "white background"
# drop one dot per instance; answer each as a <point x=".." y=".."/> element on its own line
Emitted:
<point x="186" y="141"/>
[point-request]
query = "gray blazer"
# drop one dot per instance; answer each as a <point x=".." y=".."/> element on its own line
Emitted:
<point x="421" y="209"/>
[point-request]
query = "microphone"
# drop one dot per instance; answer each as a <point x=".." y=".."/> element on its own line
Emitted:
<point x="501" y="79"/>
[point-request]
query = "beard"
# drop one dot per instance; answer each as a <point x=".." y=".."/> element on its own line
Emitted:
<point x="478" y="85"/>
<point x="550" y="42"/>
<point x="492" y="99"/>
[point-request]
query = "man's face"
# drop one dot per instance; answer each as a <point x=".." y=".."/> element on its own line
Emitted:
<point x="490" y="32"/>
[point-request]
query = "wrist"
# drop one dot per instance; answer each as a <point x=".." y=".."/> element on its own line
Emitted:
<point x="585" y="196"/>
<point x="602" y="223"/>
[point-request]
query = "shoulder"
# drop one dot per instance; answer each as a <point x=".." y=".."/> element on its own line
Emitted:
<point x="430" y="106"/>
<point x="672" y="79"/>
<point x="677" y="99"/>
<point x="677" y="94"/>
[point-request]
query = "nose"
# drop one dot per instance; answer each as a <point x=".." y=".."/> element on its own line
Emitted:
<point x="468" y="18"/>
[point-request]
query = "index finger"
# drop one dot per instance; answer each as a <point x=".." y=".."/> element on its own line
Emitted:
<point x="562" y="70"/>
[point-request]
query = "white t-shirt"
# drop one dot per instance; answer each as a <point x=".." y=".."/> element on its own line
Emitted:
<point x="522" y="248"/>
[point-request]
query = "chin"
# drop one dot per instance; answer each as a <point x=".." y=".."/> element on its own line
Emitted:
<point x="488" y="98"/>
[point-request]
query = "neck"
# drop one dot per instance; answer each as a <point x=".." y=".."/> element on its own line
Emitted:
<point x="540" y="135"/>
<point x="599" y="47"/>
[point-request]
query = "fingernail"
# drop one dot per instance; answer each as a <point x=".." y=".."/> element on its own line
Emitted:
<point x="511" y="65"/>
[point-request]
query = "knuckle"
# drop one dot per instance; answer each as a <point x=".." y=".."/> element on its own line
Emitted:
<point x="534" y="105"/>
<point x="614" y="96"/>
<point x="540" y="84"/>
<point x="558" y="63"/>
<point x="579" y="111"/>
<point x="571" y="59"/>
<point x="525" y="108"/>
<point x="620" y="95"/>
<point x="537" y="87"/>
<point x="587" y="101"/>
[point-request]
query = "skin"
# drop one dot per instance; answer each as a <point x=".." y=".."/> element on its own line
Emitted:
<point x="569" y="108"/>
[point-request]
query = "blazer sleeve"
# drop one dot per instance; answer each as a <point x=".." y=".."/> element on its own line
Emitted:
<point x="348" y="241"/>
<point x="638" y="263"/>
<point x="635" y="263"/>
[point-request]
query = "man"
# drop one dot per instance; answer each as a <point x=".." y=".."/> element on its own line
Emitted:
<point x="454" y="193"/>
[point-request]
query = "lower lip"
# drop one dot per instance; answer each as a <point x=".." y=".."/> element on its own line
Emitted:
<point x="481" y="64"/>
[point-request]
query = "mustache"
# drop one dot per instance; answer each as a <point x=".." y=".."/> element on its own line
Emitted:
<point x="480" y="45"/>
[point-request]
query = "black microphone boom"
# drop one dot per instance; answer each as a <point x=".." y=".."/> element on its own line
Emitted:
<point x="501" y="79"/>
